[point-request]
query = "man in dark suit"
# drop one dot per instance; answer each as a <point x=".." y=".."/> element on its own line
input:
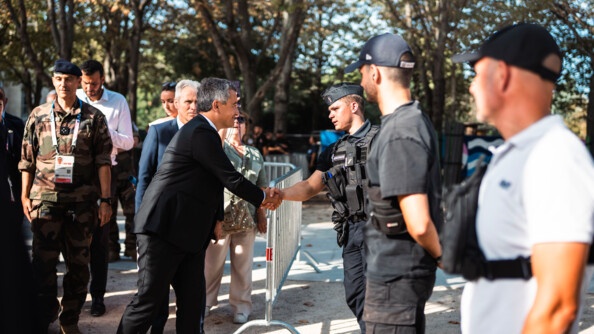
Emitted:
<point x="176" y="218"/>
<point x="18" y="303"/>
<point x="11" y="138"/>
<point x="156" y="141"/>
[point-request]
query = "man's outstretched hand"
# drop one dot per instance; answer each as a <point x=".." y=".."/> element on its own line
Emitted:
<point x="273" y="199"/>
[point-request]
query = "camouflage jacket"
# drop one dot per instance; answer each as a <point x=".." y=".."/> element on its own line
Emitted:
<point x="93" y="149"/>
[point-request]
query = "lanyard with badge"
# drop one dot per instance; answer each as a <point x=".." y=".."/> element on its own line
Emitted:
<point x="64" y="164"/>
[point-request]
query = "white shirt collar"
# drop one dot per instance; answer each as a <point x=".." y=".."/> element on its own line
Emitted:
<point x="535" y="130"/>
<point x="526" y="136"/>
<point x="104" y="96"/>
<point x="179" y="122"/>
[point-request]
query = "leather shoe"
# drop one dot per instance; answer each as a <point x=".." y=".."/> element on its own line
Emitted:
<point x="97" y="307"/>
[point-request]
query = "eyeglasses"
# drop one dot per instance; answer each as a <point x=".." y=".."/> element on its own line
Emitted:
<point x="169" y="85"/>
<point x="240" y="119"/>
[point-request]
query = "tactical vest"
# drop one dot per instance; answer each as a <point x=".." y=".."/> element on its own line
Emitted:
<point x="347" y="179"/>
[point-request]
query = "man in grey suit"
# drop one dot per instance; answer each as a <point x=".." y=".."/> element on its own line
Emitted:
<point x="177" y="215"/>
<point x="153" y="148"/>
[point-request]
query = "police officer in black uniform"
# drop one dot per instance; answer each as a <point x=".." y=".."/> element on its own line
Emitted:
<point x="401" y="236"/>
<point x="341" y="169"/>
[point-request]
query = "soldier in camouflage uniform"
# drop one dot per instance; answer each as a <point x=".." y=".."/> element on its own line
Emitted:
<point x="124" y="190"/>
<point x="65" y="165"/>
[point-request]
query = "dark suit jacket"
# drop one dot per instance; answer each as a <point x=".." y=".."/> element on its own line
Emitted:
<point x="153" y="148"/>
<point x="183" y="199"/>
<point x="11" y="139"/>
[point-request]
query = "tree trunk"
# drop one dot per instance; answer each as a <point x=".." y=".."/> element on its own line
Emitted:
<point x="240" y="43"/>
<point x="62" y="26"/>
<point x="439" y="82"/>
<point x="139" y="7"/>
<point x="20" y="22"/>
<point x="316" y="111"/>
<point x="590" y="115"/>
<point x="281" y="98"/>
<point x="281" y="94"/>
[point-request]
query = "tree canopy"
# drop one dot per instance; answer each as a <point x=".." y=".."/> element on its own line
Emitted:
<point x="284" y="53"/>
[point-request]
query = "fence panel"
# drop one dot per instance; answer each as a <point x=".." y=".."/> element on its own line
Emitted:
<point x="283" y="241"/>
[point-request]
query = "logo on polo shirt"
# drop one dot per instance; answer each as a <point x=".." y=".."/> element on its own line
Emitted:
<point x="504" y="184"/>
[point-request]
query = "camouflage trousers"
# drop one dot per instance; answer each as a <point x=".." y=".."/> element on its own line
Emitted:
<point x="123" y="192"/>
<point x="65" y="228"/>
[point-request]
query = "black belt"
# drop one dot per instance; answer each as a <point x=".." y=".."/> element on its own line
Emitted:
<point x="357" y="218"/>
<point x="517" y="268"/>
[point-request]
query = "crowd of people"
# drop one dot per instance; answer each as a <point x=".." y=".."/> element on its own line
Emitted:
<point x="201" y="192"/>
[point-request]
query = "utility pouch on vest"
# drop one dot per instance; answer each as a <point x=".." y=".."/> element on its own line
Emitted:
<point x="350" y="156"/>
<point x="389" y="225"/>
<point x="335" y="182"/>
<point x="354" y="196"/>
<point x="384" y="216"/>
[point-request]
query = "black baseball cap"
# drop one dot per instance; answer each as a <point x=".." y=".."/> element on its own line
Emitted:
<point x="525" y="45"/>
<point x="383" y="50"/>
<point x="66" y="67"/>
<point x="338" y="91"/>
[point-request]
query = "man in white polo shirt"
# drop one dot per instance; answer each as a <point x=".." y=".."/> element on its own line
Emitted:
<point x="117" y="113"/>
<point x="536" y="201"/>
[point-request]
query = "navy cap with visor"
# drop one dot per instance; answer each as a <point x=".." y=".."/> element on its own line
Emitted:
<point x="383" y="50"/>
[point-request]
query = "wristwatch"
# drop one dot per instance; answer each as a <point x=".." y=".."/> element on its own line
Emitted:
<point x="438" y="260"/>
<point x="105" y="200"/>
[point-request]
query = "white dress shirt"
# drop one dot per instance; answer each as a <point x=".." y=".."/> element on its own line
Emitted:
<point x="117" y="113"/>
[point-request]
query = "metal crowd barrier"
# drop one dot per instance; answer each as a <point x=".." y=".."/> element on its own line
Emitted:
<point x="283" y="242"/>
<point x="275" y="170"/>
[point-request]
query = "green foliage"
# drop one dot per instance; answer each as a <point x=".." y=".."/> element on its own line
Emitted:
<point x="177" y="44"/>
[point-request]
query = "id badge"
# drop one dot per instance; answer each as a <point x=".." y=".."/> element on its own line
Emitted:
<point x="64" y="168"/>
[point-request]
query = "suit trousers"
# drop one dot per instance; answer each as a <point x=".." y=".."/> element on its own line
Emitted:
<point x="160" y="264"/>
<point x="100" y="253"/>
<point x="354" y="263"/>
<point x="99" y="260"/>
<point x="241" y="247"/>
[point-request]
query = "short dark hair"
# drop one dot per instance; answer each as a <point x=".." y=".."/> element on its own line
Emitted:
<point x="91" y="67"/>
<point x="213" y="89"/>
<point x="2" y="94"/>
<point x="403" y="76"/>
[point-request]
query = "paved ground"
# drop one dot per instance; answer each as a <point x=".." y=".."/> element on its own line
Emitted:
<point x="310" y="302"/>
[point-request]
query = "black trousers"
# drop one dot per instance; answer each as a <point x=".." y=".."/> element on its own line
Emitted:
<point x="100" y="253"/>
<point x="397" y="307"/>
<point x="161" y="264"/>
<point x="354" y="263"/>
<point x="99" y="260"/>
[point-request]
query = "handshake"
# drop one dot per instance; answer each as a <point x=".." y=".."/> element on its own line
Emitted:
<point x="273" y="198"/>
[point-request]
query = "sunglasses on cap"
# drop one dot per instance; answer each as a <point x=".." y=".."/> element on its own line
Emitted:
<point x="168" y="85"/>
<point x="240" y="119"/>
